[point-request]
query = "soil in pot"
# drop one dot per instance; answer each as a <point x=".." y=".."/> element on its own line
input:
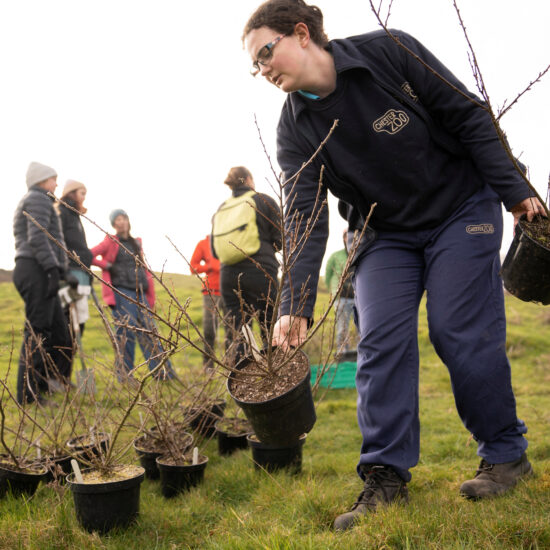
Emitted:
<point x="526" y="268"/>
<point x="279" y="406"/>
<point x="107" y="500"/>
<point x="203" y="419"/>
<point x="179" y="476"/>
<point x="231" y="434"/>
<point x="89" y="446"/>
<point x="148" y="448"/>
<point x="273" y="458"/>
<point x="22" y="480"/>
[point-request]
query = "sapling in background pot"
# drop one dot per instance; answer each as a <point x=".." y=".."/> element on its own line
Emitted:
<point x="106" y="492"/>
<point x="21" y="469"/>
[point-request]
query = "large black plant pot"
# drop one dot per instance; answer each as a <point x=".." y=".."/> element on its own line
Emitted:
<point x="282" y="420"/>
<point x="104" y="506"/>
<point x="20" y="482"/>
<point x="526" y="268"/>
<point x="178" y="478"/>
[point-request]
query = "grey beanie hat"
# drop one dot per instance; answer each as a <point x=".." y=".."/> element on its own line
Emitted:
<point x="37" y="172"/>
<point x="115" y="213"/>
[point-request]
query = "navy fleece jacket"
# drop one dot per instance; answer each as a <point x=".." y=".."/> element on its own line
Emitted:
<point x="405" y="139"/>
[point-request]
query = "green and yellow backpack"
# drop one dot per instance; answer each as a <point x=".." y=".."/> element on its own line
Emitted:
<point x="234" y="229"/>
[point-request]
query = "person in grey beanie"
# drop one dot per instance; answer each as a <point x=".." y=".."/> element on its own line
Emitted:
<point x="40" y="265"/>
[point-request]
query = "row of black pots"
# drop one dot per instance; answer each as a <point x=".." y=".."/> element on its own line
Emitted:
<point x="25" y="482"/>
<point x="104" y="506"/>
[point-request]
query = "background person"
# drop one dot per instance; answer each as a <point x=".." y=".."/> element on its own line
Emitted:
<point x="433" y="162"/>
<point x="74" y="194"/>
<point x="344" y="303"/>
<point x="39" y="266"/>
<point x="203" y="262"/>
<point x="132" y="280"/>
<point x="248" y="281"/>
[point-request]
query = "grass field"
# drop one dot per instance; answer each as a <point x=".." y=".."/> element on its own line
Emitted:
<point x="240" y="508"/>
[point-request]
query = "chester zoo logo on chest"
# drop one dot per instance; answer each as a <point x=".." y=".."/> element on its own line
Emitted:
<point x="391" y="121"/>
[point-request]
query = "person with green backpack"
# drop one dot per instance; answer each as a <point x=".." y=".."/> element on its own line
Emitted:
<point x="245" y="238"/>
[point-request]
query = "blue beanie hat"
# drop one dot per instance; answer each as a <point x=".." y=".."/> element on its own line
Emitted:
<point x="115" y="213"/>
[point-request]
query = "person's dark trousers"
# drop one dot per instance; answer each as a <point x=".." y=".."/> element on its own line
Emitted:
<point x="46" y="351"/>
<point x="247" y="292"/>
<point x="211" y="310"/>
<point x="129" y="316"/>
<point x="457" y="263"/>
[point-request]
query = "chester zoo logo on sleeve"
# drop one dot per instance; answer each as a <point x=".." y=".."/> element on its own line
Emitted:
<point x="391" y="122"/>
<point x="480" y="229"/>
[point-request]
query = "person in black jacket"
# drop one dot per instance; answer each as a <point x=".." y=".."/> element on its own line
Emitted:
<point x="427" y="153"/>
<point x="74" y="194"/>
<point x="249" y="286"/>
<point x="40" y="264"/>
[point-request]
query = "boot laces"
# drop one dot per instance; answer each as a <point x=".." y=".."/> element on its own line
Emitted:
<point x="379" y="479"/>
<point x="484" y="468"/>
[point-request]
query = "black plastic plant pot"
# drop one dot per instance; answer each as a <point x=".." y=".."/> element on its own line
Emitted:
<point x="176" y="479"/>
<point x="526" y="268"/>
<point x="19" y="482"/>
<point x="148" y="460"/>
<point x="273" y="458"/>
<point x="81" y="446"/>
<point x="282" y="420"/>
<point x="104" y="506"/>
<point x="228" y="442"/>
<point x="203" y="420"/>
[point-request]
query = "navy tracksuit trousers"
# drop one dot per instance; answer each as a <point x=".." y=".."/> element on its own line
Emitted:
<point x="457" y="264"/>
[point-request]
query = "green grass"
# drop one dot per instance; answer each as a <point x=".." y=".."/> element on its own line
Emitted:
<point x="239" y="508"/>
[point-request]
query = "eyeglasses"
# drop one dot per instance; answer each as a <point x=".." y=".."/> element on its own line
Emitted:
<point x="264" y="55"/>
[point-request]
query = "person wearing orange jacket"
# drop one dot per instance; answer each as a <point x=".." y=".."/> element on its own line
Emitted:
<point x="203" y="262"/>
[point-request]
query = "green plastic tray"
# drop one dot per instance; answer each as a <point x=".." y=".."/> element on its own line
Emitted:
<point x="336" y="376"/>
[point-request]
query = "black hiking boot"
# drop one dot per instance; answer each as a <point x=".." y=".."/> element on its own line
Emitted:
<point x="382" y="486"/>
<point x="492" y="480"/>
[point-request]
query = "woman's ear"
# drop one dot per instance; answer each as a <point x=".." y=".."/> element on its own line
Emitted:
<point x="301" y="32"/>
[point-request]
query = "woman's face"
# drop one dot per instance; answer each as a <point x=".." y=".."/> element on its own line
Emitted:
<point x="80" y="195"/>
<point x="285" y="66"/>
<point x="122" y="225"/>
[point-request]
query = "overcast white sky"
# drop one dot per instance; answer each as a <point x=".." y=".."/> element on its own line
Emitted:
<point x="150" y="103"/>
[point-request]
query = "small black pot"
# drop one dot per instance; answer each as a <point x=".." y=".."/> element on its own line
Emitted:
<point x="176" y="479"/>
<point x="228" y="442"/>
<point x="103" y="506"/>
<point x="203" y="420"/>
<point x="273" y="458"/>
<point x="282" y="420"/>
<point x="19" y="483"/>
<point x="148" y="459"/>
<point x="88" y="451"/>
<point x="526" y="268"/>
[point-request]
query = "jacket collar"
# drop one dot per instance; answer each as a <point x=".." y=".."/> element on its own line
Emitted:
<point x="346" y="56"/>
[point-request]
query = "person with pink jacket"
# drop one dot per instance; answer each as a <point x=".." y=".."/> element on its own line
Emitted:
<point x="117" y="256"/>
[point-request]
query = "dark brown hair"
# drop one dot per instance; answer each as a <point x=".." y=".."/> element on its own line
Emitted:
<point x="237" y="176"/>
<point x="283" y="15"/>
